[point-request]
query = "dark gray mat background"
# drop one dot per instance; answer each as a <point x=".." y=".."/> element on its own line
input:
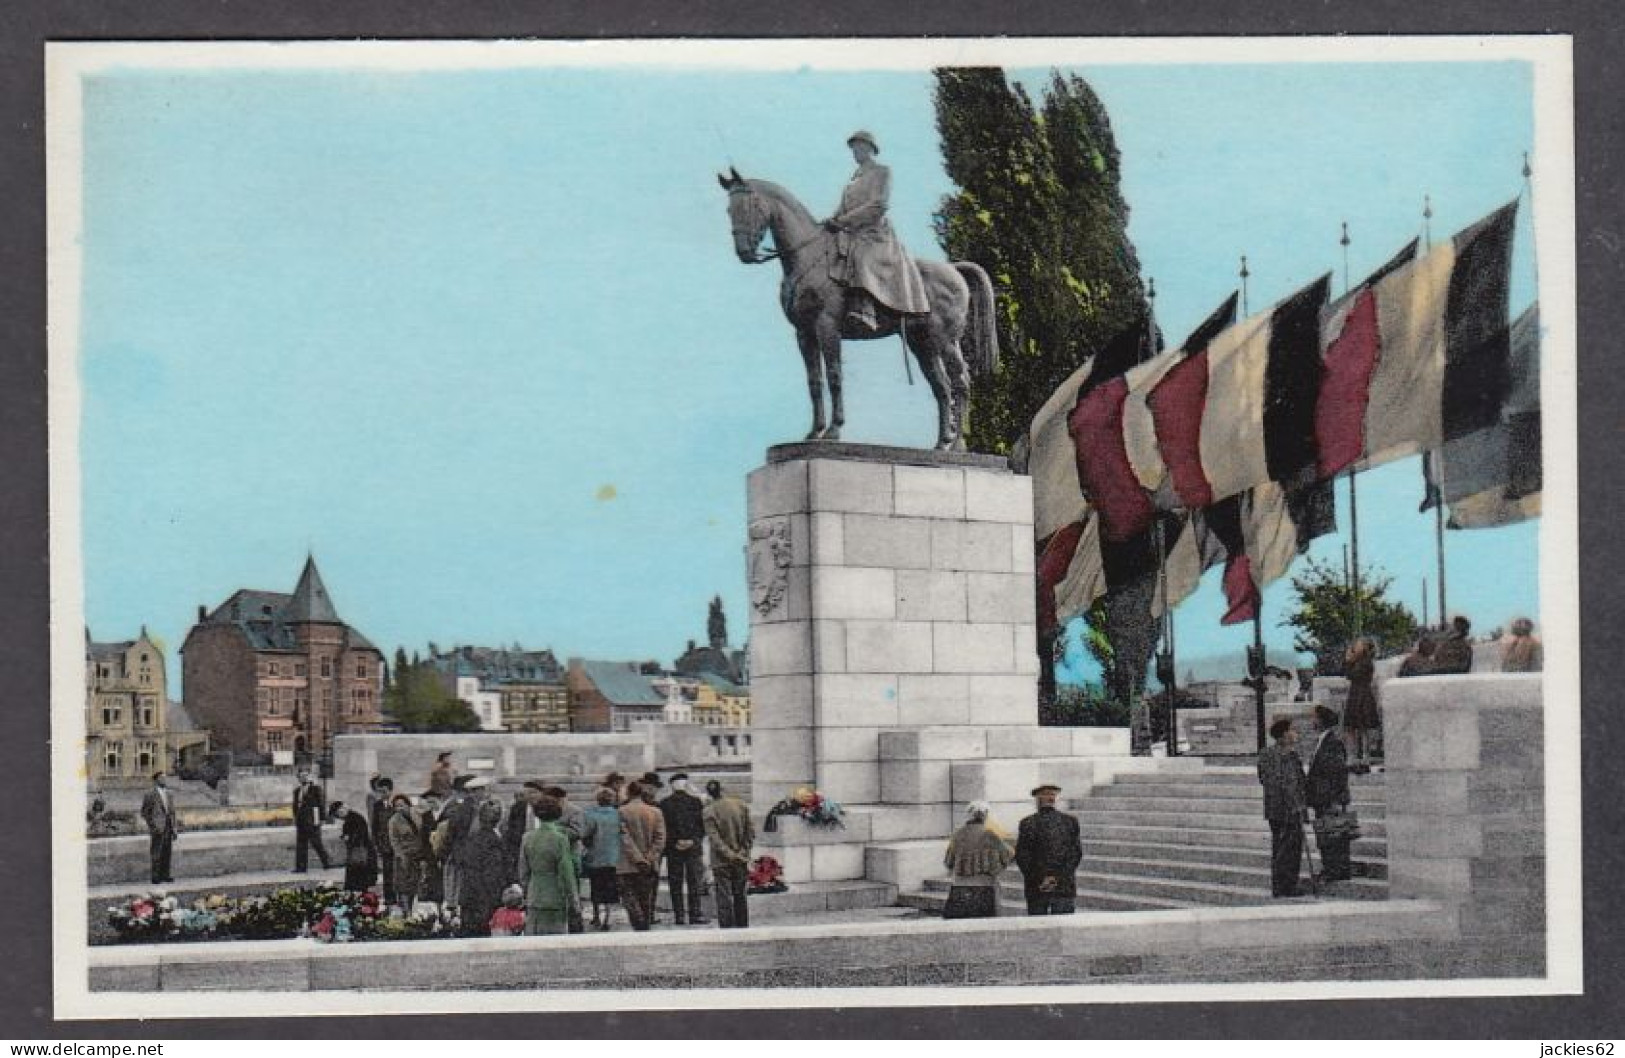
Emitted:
<point x="25" y="878"/>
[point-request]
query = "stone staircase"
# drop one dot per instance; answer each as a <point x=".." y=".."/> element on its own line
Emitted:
<point x="1159" y="841"/>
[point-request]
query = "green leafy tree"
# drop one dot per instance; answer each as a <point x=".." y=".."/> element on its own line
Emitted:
<point x="1328" y="612"/>
<point x="1039" y="206"/>
<point x="420" y="702"/>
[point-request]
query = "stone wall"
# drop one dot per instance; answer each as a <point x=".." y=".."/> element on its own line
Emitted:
<point x="499" y="755"/>
<point x="1466" y="809"/>
<point x="1301" y="943"/>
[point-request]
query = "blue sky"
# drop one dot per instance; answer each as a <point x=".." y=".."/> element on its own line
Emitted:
<point x="479" y="341"/>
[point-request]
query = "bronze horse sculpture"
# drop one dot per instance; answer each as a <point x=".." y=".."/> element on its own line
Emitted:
<point x="950" y="343"/>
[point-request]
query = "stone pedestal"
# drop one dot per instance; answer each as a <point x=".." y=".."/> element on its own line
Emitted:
<point x="893" y="646"/>
<point x="884" y="596"/>
<point x="1466" y="811"/>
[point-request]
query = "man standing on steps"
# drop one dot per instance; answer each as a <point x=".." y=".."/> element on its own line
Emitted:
<point x="1048" y="851"/>
<point x="307" y="824"/>
<point x="1327" y="792"/>
<point x="1281" y="772"/>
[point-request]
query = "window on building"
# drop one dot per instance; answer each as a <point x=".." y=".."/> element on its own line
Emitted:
<point x="327" y="699"/>
<point x="149" y="713"/>
<point x="274" y="668"/>
<point x="112" y="715"/>
<point x="146" y="675"/>
<point x="327" y="668"/>
<point x="361" y="670"/>
<point x="146" y="758"/>
<point x="273" y="741"/>
<point x="113" y="758"/>
<point x="299" y="668"/>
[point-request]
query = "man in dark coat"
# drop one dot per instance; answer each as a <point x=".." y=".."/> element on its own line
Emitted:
<point x="485" y="870"/>
<point x="1454" y="653"/>
<point x="158" y="812"/>
<point x="1281" y="772"/>
<point x="307" y="824"/>
<point x="685" y="850"/>
<point x="1048" y="851"/>
<point x="379" y="795"/>
<point x="458" y="819"/>
<point x="1327" y="792"/>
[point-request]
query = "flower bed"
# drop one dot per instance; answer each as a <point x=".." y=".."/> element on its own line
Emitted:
<point x="325" y="913"/>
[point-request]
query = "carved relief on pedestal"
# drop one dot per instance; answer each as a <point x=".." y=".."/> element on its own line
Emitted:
<point x="768" y="566"/>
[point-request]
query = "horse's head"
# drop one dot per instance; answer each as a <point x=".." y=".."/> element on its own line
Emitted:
<point x="747" y="214"/>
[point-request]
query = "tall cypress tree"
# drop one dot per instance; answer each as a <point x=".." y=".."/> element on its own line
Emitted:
<point x="1040" y="207"/>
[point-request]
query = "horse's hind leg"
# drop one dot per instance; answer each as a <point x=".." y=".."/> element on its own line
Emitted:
<point x="958" y="374"/>
<point x="829" y="344"/>
<point x="815" y="380"/>
<point x="923" y="343"/>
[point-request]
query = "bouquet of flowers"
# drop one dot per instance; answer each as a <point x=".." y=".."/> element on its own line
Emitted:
<point x="811" y="806"/>
<point x="138" y="919"/>
<point x="766" y="876"/>
<point x="156" y="917"/>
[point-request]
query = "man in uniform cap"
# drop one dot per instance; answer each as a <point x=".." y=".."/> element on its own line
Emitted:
<point x="871" y="262"/>
<point x="1048" y="851"/>
<point x="1327" y="791"/>
<point x="1281" y="773"/>
<point x="685" y="851"/>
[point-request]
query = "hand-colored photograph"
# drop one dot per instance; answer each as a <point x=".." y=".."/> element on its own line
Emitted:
<point x="634" y="525"/>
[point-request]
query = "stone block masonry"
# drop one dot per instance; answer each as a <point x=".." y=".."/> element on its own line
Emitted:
<point x="894" y="650"/>
<point x="888" y="578"/>
<point x="1466" y="812"/>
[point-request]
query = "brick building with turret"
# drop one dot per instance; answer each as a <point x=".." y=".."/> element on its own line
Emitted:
<point x="268" y="672"/>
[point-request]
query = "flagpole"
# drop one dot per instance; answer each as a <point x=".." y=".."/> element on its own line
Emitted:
<point x="1354" y="493"/>
<point x="1438" y="507"/>
<point x="1255" y="659"/>
<point x="1165" y="663"/>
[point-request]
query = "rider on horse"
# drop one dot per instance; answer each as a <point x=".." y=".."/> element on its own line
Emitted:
<point x="870" y="260"/>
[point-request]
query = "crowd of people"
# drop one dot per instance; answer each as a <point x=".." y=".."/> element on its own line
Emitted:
<point x="501" y="869"/>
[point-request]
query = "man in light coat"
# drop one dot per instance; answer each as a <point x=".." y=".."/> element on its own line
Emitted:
<point x="643" y="839"/>
<point x="729" y="829"/>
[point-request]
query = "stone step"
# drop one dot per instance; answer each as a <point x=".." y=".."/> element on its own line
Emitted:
<point x="1197" y="805"/>
<point x="1148" y="863"/>
<point x="1207" y="893"/>
<point x="1012" y="900"/>
<point x="1247" y="824"/>
<point x="1223" y="773"/>
<point x="1252" y="856"/>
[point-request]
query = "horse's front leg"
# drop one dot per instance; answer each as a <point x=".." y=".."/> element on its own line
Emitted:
<point x="829" y="345"/>
<point x="815" y="380"/>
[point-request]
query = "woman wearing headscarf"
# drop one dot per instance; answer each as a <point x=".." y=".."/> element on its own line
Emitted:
<point x="485" y="870"/>
<point x="549" y="873"/>
<point x="976" y="856"/>
<point x="360" y="854"/>
<point x="1361" y="716"/>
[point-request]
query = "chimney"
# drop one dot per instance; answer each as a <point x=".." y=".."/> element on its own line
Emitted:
<point x="202" y="613"/>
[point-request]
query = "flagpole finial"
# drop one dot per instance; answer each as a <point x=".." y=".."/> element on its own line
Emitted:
<point x="1344" y="241"/>
<point x="1151" y="288"/>
<point x="1427" y="207"/>
<point x="1244" y="272"/>
<point x="1527" y="172"/>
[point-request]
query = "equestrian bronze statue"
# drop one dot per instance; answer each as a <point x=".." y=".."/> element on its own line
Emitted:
<point x="844" y="278"/>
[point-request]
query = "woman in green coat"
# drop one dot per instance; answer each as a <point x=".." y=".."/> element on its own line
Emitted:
<point x="548" y="870"/>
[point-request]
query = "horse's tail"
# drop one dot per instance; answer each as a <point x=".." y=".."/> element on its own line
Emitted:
<point x="981" y="344"/>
